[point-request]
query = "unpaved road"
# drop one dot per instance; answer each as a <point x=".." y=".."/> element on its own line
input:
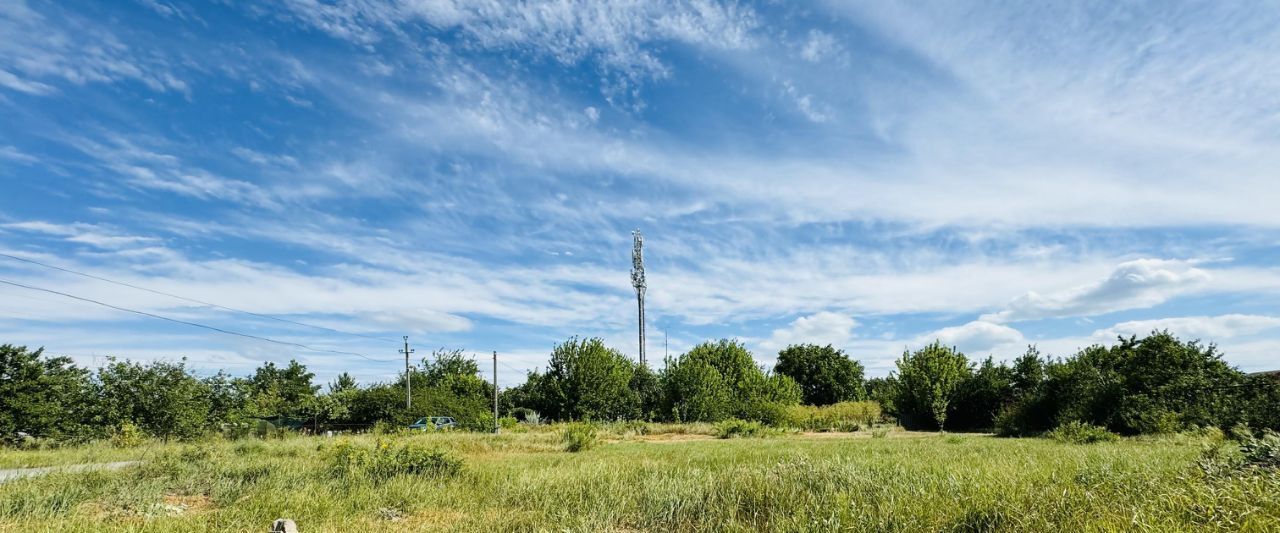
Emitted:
<point x="17" y="473"/>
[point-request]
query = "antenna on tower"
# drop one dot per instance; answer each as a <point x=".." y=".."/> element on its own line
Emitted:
<point x="637" y="280"/>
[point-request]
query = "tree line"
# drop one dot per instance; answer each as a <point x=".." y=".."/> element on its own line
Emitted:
<point x="1154" y="384"/>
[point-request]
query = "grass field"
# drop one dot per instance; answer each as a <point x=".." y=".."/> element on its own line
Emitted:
<point x="673" y="478"/>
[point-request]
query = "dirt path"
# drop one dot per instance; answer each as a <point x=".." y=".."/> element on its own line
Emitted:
<point x="18" y="473"/>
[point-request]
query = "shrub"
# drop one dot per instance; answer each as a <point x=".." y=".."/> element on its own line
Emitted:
<point x="127" y="435"/>
<point x="387" y="427"/>
<point x="386" y="460"/>
<point x="579" y="436"/>
<point x="508" y="422"/>
<point x="734" y="428"/>
<point x="1263" y="451"/>
<point x="1080" y="433"/>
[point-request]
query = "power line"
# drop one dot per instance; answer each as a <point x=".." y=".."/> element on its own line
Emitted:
<point x="192" y="300"/>
<point x="203" y="326"/>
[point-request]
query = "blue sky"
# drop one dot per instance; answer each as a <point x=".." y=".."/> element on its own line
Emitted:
<point x="870" y="175"/>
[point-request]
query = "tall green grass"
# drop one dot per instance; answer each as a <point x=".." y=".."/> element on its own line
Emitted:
<point x="526" y="481"/>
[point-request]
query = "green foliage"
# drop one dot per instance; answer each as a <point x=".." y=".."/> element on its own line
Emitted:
<point x="44" y="397"/>
<point x="1157" y="384"/>
<point x="481" y="423"/>
<point x="843" y="416"/>
<point x="824" y="374"/>
<point x="127" y="436"/>
<point x="285" y="392"/>
<point x="980" y="397"/>
<point x="884" y="391"/>
<point x="387" y="427"/>
<point x="344" y="382"/>
<point x="695" y="391"/>
<point x="387" y="459"/>
<point x="928" y="380"/>
<point x="579" y="436"/>
<point x="161" y="398"/>
<point x="1080" y="433"/>
<point x="719" y="380"/>
<point x="586" y="380"/>
<point x="1261" y="451"/>
<point x="647" y="387"/>
<point x="508" y="422"/>
<point x="735" y="428"/>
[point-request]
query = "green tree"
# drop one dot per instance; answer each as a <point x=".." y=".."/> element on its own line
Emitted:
<point x="161" y="398"/>
<point x="274" y="391"/>
<point x="343" y="382"/>
<point x="587" y="380"/>
<point x="696" y="392"/>
<point x="227" y="400"/>
<point x="43" y="397"/>
<point x="928" y="381"/>
<point x="825" y="375"/>
<point x="981" y="396"/>
<point x="885" y="392"/>
<point x="647" y="387"/>
<point x="449" y="384"/>
<point x="720" y="379"/>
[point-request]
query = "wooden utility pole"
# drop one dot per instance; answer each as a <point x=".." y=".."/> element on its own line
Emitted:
<point x="495" y="392"/>
<point x="408" y="378"/>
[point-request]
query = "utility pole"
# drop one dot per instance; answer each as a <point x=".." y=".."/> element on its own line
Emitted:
<point x="408" y="381"/>
<point x="637" y="280"/>
<point x="665" y="353"/>
<point x="495" y="392"/>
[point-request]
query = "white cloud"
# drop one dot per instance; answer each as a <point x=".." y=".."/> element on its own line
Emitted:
<point x="98" y="236"/>
<point x="819" y="46"/>
<point x="13" y="154"/>
<point x="612" y="33"/>
<point x="977" y="337"/>
<point x="11" y="81"/>
<point x="1208" y="328"/>
<point x="146" y="167"/>
<point x="74" y="50"/>
<point x="824" y="327"/>
<point x="1133" y="284"/>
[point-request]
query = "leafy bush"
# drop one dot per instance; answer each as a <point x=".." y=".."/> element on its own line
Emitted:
<point x="1080" y="433"/>
<point x="579" y="436"/>
<point x="734" y="428"/>
<point x="386" y="459"/>
<point x="508" y="422"/>
<point x="387" y="427"/>
<point x="127" y="435"/>
<point x="480" y="423"/>
<point x="1262" y="451"/>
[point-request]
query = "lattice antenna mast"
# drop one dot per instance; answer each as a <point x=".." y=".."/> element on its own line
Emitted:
<point x="637" y="281"/>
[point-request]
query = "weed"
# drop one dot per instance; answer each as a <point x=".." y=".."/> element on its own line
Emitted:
<point x="1080" y="433"/>
<point x="387" y="458"/>
<point x="579" y="437"/>
<point x="127" y="435"/>
<point x="735" y="428"/>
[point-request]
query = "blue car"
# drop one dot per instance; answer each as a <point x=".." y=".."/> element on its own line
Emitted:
<point x="428" y="423"/>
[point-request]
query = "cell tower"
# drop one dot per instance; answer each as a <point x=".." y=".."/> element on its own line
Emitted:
<point x="637" y="280"/>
